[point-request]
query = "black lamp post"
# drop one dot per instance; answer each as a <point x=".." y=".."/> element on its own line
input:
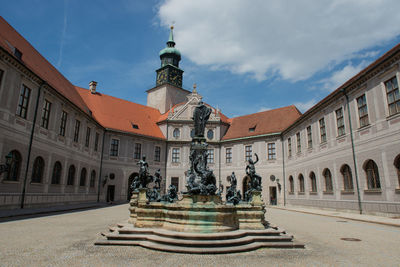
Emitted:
<point x="6" y="167"/>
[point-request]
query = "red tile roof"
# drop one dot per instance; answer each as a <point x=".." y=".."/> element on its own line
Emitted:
<point x="118" y="114"/>
<point x="266" y="122"/>
<point x="33" y="60"/>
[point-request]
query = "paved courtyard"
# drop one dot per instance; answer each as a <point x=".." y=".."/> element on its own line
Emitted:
<point x="66" y="239"/>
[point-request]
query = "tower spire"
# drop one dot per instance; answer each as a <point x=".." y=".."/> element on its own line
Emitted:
<point x="171" y="42"/>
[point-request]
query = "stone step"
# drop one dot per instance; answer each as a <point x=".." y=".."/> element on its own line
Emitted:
<point x="199" y="243"/>
<point x="200" y="236"/>
<point x="200" y="250"/>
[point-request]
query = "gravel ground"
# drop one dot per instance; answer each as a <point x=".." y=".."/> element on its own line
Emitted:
<point x="67" y="240"/>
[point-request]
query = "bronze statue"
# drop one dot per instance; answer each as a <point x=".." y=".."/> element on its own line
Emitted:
<point x="255" y="179"/>
<point x="201" y="115"/>
<point x="157" y="179"/>
<point x="232" y="195"/>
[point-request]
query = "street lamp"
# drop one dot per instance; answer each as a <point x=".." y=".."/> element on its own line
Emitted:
<point x="279" y="185"/>
<point x="6" y="167"/>
<point x="105" y="180"/>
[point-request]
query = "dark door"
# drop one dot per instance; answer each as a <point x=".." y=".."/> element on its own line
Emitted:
<point x="110" y="193"/>
<point x="272" y="195"/>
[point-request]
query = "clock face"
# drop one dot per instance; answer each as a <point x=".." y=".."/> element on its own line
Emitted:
<point x="162" y="77"/>
<point x="176" y="77"/>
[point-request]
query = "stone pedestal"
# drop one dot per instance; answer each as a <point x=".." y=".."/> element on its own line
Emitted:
<point x="198" y="213"/>
<point x="132" y="207"/>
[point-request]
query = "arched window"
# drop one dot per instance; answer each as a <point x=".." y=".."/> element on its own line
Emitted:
<point x="347" y="178"/>
<point x="56" y="176"/>
<point x="15" y="167"/>
<point x="176" y="133"/>
<point x="301" y="183"/>
<point x="82" y="180"/>
<point x="313" y="182"/>
<point x="291" y="184"/>
<point x="372" y="173"/>
<point x="71" y="175"/>
<point x="37" y="171"/>
<point x="92" y="178"/>
<point x="328" y="180"/>
<point x="397" y="166"/>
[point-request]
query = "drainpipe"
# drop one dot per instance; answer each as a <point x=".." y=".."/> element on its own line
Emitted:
<point x="283" y="172"/>
<point x="353" y="150"/>
<point x="101" y="166"/>
<point x="219" y="165"/>
<point x="166" y="160"/>
<point x="30" y="144"/>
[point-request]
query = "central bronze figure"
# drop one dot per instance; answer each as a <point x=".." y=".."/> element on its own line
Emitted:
<point x="200" y="179"/>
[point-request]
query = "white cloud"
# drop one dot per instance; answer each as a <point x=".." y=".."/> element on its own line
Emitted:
<point x="293" y="39"/>
<point x="304" y="106"/>
<point x="341" y="76"/>
<point x="264" y="109"/>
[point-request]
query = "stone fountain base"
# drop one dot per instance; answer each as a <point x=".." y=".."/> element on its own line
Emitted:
<point x="197" y="224"/>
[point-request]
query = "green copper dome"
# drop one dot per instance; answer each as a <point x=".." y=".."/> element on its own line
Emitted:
<point x="170" y="49"/>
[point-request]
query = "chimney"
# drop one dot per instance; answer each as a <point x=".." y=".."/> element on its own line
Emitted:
<point x="92" y="87"/>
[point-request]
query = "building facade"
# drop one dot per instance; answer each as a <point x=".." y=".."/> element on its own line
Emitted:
<point x="74" y="145"/>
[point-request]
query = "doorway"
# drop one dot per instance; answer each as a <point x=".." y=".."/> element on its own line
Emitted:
<point x="272" y="195"/>
<point x="110" y="193"/>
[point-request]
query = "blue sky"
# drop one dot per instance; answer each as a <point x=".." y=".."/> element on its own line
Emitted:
<point x="244" y="56"/>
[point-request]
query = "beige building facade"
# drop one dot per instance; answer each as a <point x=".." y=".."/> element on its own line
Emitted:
<point x="74" y="145"/>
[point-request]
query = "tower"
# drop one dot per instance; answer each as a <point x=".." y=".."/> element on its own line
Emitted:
<point x="169" y="72"/>
<point x="168" y="90"/>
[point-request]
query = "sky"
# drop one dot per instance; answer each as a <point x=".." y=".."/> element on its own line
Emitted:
<point x="245" y="56"/>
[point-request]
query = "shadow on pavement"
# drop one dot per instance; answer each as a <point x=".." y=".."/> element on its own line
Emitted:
<point x="15" y="215"/>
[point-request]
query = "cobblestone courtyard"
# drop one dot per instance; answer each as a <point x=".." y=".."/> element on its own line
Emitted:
<point x="66" y="239"/>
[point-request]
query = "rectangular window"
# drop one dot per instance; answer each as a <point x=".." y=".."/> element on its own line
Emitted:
<point x="63" y="124"/>
<point x="309" y="137"/>
<point x="210" y="156"/>
<point x="322" y="130"/>
<point x="23" y="102"/>
<point x="157" y="154"/>
<point x="298" y="139"/>
<point x="87" y="140"/>
<point x="340" y="122"/>
<point x="114" y="147"/>
<point x="46" y="114"/>
<point x="76" y="131"/>
<point x="175" y="155"/>
<point x="289" y="142"/>
<point x="362" y="110"/>
<point x="175" y="182"/>
<point x="138" y="151"/>
<point x="393" y="95"/>
<point x="271" y="151"/>
<point x="228" y="155"/>
<point x="96" y="141"/>
<point x="1" y="76"/>
<point x="248" y="152"/>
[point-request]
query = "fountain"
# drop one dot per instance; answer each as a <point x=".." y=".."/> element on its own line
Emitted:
<point x="199" y="222"/>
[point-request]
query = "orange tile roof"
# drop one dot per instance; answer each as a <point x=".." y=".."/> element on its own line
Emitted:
<point x="266" y="122"/>
<point x="33" y="60"/>
<point x="118" y="114"/>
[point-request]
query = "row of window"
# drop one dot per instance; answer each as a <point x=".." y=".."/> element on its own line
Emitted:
<point x="22" y="110"/>
<point x="177" y="133"/>
<point x="393" y="97"/>
<point x="371" y="174"/>
<point x="38" y="172"/>
<point x="248" y="152"/>
<point x="114" y="150"/>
